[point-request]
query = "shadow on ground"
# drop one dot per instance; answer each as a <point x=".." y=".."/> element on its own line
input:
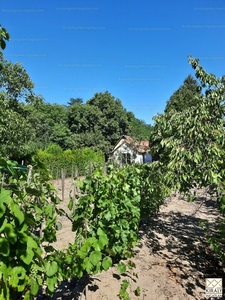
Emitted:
<point x="69" y="290"/>
<point x="180" y="240"/>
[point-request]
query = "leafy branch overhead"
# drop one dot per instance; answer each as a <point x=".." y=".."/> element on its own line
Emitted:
<point x="4" y="36"/>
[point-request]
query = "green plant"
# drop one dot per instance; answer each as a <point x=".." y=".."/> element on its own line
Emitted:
<point x="27" y="259"/>
<point x="123" y="290"/>
<point x="190" y="145"/>
<point x="105" y="220"/>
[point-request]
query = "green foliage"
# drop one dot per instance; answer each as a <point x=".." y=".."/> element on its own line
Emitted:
<point x="16" y="133"/>
<point x="15" y="81"/>
<point x="4" y="36"/>
<point x="190" y="143"/>
<point x="99" y="123"/>
<point x="106" y="218"/>
<point x="185" y="97"/>
<point x="123" y="290"/>
<point x="138" y="291"/>
<point x="108" y="202"/>
<point x="56" y="159"/>
<point x="75" y="101"/>
<point x="26" y="259"/>
<point x="138" y="129"/>
<point x="50" y="123"/>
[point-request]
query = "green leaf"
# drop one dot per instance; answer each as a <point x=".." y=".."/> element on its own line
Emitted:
<point x="3" y="44"/>
<point x="95" y="257"/>
<point x="121" y="268"/>
<point x="27" y="256"/>
<point x="49" y="210"/>
<point x="107" y="216"/>
<point x="27" y="296"/>
<point x="3" y="271"/>
<point x="103" y="241"/>
<point x="17" y="275"/>
<point x="2" y="209"/>
<point x="11" y="235"/>
<point x="34" y="286"/>
<point x="17" y="212"/>
<point x="70" y="205"/>
<point x="58" y="226"/>
<point x="51" y="268"/>
<point x="31" y="243"/>
<point x="87" y="265"/>
<point x="138" y="291"/>
<point x="107" y="263"/>
<point x="4" y="247"/>
<point x="51" y="282"/>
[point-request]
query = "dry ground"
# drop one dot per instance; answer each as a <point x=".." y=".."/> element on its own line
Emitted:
<point x="172" y="258"/>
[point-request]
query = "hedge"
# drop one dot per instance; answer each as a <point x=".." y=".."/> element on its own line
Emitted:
<point x="83" y="161"/>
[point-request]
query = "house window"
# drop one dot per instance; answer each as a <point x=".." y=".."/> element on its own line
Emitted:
<point x="126" y="158"/>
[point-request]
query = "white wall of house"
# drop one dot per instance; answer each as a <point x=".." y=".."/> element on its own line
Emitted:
<point x="125" y="148"/>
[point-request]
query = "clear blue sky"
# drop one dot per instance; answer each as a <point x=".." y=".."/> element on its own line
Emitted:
<point x="137" y="50"/>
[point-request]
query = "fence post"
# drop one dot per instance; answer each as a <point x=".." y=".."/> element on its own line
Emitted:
<point x="29" y="174"/>
<point x="3" y="179"/>
<point x="63" y="175"/>
<point x="105" y="169"/>
<point x="72" y="172"/>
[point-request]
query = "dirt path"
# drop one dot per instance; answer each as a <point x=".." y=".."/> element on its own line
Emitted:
<point x="172" y="258"/>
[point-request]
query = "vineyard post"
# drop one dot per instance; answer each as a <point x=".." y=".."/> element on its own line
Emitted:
<point x="75" y="187"/>
<point x="105" y="169"/>
<point x="72" y="172"/>
<point x="63" y="175"/>
<point x="29" y="174"/>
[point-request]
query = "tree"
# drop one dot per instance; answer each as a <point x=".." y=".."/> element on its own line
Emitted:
<point x="16" y="132"/>
<point x="15" y="81"/>
<point x="50" y="123"/>
<point x="138" y="129"/>
<point x="193" y="143"/>
<point x="113" y="119"/>
<point x="100" y="122"/>
<point x="185" y="97"/>
<point x="75" y="101"/>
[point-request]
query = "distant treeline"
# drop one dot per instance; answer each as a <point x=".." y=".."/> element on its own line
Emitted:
<point x="28" y="123"/>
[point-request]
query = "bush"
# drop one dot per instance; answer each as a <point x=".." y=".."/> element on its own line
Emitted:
<point x="84" y="160"/>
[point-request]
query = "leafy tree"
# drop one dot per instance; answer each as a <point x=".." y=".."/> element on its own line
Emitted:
<point x="83" y="118"/>
<point x="15" y="131"/>
<point x="62" y="136"/>
<point x="50" y="123"/>
<point x="185" y="97"/>
<point x="75" y="101"/>
<point x="113" y="122"/>
<point x="193" y="143"/>
<point x="15" y="82"/>
<point x="138" y="128"/>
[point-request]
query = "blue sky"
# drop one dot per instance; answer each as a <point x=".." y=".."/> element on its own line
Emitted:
<point x="137" y="50"/>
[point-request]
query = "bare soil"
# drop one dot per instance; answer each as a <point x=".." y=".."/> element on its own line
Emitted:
<point x="173" y="258"/>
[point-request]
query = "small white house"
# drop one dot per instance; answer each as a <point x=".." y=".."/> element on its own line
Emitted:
<point x="129" y="151"/>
